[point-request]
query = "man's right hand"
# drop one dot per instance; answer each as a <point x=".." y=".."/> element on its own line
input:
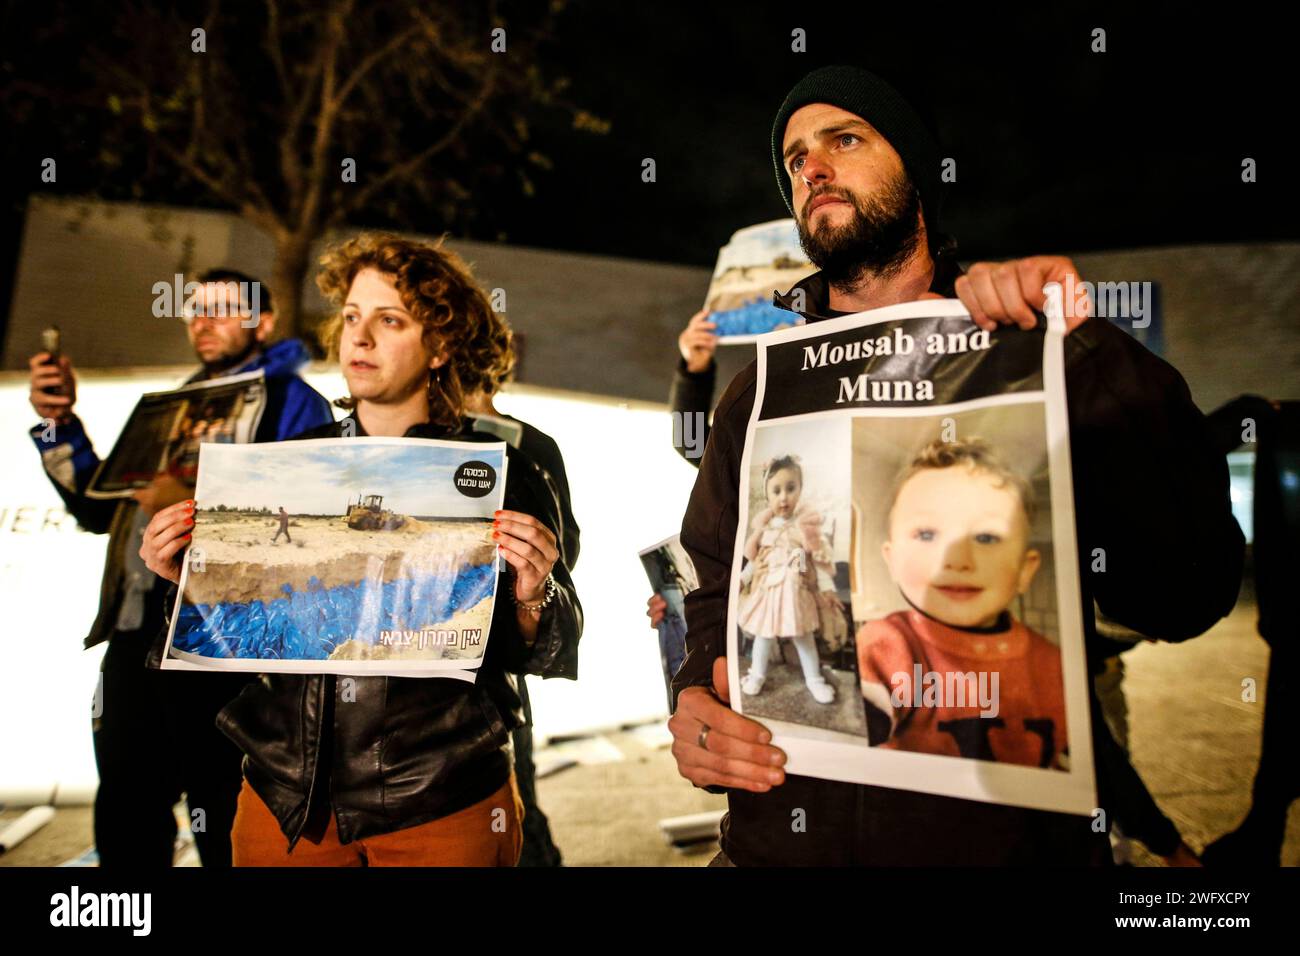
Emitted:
<point x="655" y="609"/>
<point x="698" y="342"/>
<point x="46" y="374"/>
<point x="736" y="754"/>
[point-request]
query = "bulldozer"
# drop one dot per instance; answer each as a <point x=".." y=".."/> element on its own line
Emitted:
<point x="368" y="514"/>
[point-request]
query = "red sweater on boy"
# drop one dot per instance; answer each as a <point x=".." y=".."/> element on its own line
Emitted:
<point x="897" y="656"/>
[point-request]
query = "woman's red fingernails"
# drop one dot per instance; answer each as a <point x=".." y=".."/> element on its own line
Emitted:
<point x="189" y="521"/>
<point x="187" y="537"/>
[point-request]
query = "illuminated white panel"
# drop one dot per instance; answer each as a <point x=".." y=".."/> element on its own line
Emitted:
<point x="49" y="592"/>
<point x="629" y="490"/>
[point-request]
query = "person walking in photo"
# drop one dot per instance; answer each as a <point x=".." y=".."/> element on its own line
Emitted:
<point x="284" y="527"/>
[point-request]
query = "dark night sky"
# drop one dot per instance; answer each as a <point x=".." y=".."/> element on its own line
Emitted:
<point x="1057" y="148"/>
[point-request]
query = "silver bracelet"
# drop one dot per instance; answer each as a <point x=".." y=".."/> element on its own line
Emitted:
<point x="546" y="600"/>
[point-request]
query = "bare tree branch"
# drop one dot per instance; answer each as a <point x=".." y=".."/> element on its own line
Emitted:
<point x="396" y="42"/>
<point x="288" y="88"/>
<point x="290" y="160"/>
<point x="275" y="49"/>
<point x="196" y="78"/>
<point x="262" y="216"/>
<point x="404" y="169"/>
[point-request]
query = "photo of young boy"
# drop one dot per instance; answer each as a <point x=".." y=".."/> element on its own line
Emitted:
<point x="955" y="672"/>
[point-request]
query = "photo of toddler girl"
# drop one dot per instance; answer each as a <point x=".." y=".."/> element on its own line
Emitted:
<point x="787" y="581"/>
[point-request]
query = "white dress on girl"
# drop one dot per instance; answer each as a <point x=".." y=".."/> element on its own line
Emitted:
<point x="781" y="601"/>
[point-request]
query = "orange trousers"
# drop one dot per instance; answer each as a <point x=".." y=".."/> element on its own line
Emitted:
<point x="488" y="833"/>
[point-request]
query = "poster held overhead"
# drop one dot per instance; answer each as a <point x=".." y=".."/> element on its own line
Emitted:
<point x="755" y="263"/>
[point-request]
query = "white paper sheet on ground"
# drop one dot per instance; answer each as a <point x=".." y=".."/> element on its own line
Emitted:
<point x="585" y="751"/>
<point x="656" y="736"/>
<point x="19" y="830"/>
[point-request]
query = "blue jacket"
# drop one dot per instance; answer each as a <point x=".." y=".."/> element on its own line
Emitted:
<point x="70" y="461"/>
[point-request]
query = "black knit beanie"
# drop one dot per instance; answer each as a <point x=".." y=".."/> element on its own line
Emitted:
<point x="866" y="95"/>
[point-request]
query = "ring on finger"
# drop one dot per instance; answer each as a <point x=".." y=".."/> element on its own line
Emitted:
<point x="703" y="739"/>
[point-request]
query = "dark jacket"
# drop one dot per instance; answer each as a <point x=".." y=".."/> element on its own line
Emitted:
<point x="692" y="395"/>
<point x="1275" y="548"/>
<point x="543" y="450"/>
<point x="395" y="752"/>
<point x="1149" y="488"/>
<point x="70" y="462"/>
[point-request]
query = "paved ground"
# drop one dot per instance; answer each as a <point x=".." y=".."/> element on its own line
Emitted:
<point x="1194" y="741"/>
<point x="785" y="696"/>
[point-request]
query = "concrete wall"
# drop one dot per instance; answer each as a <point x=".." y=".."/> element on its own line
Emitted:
<point x="1231" y="313"/>
<point x="591" y="323"/>
<point x="594" y="324"/>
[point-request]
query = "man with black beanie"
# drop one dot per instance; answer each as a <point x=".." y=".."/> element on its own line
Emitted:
<point x="861" y="174"/>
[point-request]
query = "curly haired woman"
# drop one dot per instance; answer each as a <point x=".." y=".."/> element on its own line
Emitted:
<point x="403" y="771"/>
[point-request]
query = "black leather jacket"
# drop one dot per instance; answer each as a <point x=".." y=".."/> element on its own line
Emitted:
<point x="393" y="752"/>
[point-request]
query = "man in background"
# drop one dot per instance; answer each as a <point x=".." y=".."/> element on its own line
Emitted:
<point x="155" y="734"/>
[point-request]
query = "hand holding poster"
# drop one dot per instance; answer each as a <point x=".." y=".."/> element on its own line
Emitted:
<point x="387" y="563"/>
<point x="161" y="438"/>
<point x="904" y="605"/>
<point x="758" y="261"/>
<point x="672" y="577"/>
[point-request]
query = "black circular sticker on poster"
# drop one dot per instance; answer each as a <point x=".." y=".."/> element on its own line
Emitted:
<point x="475" y="479"/>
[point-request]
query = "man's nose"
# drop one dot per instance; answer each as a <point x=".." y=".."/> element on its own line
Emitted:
<point x="817" y="169"/>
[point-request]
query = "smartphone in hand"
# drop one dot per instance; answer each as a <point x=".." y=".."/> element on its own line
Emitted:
<point x="51" y="342"/>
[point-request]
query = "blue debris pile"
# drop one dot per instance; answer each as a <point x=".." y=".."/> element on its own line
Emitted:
<point x="310" y="624"/>
<point x="754" y="317"/>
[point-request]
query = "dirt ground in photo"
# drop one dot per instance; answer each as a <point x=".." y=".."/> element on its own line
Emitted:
<point x="241" y="564"/>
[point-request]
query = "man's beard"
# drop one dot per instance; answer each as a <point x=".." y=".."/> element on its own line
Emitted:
<point x="876" y="242"/>
<point x="232" y="359"/>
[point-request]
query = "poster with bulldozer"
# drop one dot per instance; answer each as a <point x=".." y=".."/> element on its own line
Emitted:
<point x="342" y="556"/>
